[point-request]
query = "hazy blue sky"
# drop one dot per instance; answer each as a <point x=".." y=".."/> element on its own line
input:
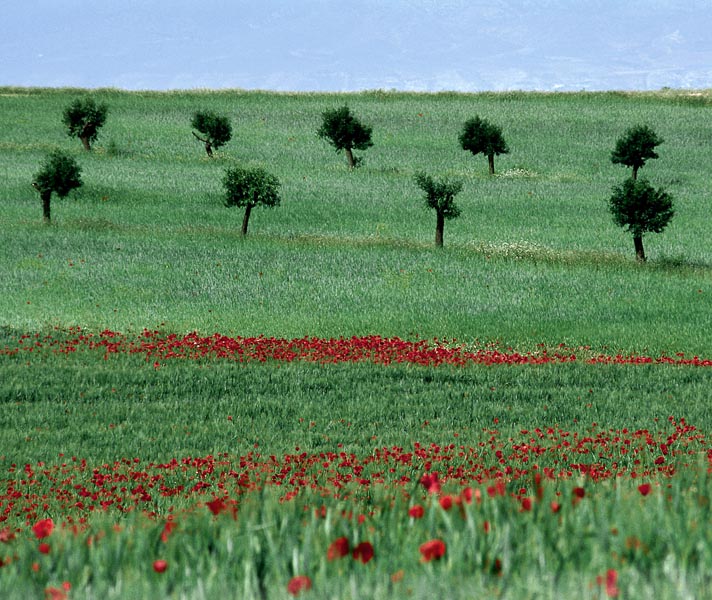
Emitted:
<point x="338" y="45"/>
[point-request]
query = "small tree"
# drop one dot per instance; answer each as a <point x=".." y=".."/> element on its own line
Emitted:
<point x="249" y="188"/>
<point x="480" y="136"/>
<point x="216" y="130"/>
<point x="345" y="132"/>
<point x="640" y="208"/>
<point x="635" y="147"/>
<point x="83" y="119"/>
<point x="440" y="196"/>
<point x="59" y="174"/>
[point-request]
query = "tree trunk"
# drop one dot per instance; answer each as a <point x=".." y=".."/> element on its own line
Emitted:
<point x="246" y="219"/>
<point x="635" y="173"/>
<point x="490" y="160"/>
<point x="46" y="197"/>
<point x="439" y="227"/>
<point x="639" y="250"/>
<point x="85" y="143"/>
<point x="350" y="158"/>
<point x="209" y="148"/>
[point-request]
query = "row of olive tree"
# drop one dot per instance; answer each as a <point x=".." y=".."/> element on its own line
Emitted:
<point x="635" y="204"/>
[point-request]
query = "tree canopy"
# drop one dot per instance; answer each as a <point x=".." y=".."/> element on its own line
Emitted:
<point x="479" y="136"/>
<point x="83" y="119"/>
<point x="635" y="147"/>
<point x="250" y="187"/>
<point x="440" y="196"/>
<point x="345" y="132"/>
<point x="215" y="129"/>
<point x="639" y="208"/>
<point x="59" y="174"/>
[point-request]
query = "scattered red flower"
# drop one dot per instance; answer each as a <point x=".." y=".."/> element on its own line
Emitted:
<point x="43" y="528"/>
<point x="167" y="530"/>
<point x="363" y="552"/>
<point x="6" y="535"/>
<point x="44" y="548"/>
<point x="644" y="489"/>
<point x="298" y="584"/>
<point x="338" y="549"/>
<point x="446" y="502"/>
<point x="610" y="582"/>
<point x="432" y="550"/>
<point x="53" y="593"/>
<point x="431" y="482"/>
<point x="160" y="565"/>
<point x="216" y="506"/>
<point x="416" y="511"/>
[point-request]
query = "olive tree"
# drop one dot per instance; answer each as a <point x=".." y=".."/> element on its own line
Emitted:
<point x="635" y="147"/>
<point x="440" y="196"/>
<point x="83" y="119"/>
<point x="215" y="130"/>
<point x="59" y="174"/>
<point x="640" y="208"/>
<point x="482" y="137"/>
<point x="345" y="132"/>
<point x="250" y="187"/>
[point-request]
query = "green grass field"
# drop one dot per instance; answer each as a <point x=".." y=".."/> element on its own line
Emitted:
<point x="534" y="261"/>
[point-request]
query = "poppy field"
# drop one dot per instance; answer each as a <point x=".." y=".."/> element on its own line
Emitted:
<point x="330" y="407"/>
<point x="458" y="500"/>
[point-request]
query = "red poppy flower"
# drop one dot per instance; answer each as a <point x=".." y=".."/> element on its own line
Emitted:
<point x="44" y="548"/>
<point x="160" y="565"/>
<point x="644" y="488"/>
<point x="526" y="504"/>
<point x="416" y="511"/>
<point x="612" y="583"/>
<point x="555" y="506"/>
<point x="216" y="506"/>
<point x="579" y="492"/>
<point x="338" y="549"/>
<point x="43" y="528"/>
<point x="167" y="530"/>
<point x="431" y="482"/>
<point x="446" y="502"/>
<point x="6" y="535"/>
<point x="432" y="550"/>
<point x="363" y="552"/>
<point x="53" y="593"/>
<point x="299" y="583"/>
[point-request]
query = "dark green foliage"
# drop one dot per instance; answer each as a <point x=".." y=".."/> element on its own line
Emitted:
<point x="481" y="137"/>
<point x="440" y="196"/>
<point x="640" y="208"/>
<point x="215" y="129"/>
<point x="83" y="119"/>
<point x="345" y="132"/>
<point x="60" y="174"/>
<point x="248" y="188"/>
<point x="635" y="147"/>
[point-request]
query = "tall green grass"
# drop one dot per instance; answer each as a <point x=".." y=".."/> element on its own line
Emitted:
<point x="125" y="408"/>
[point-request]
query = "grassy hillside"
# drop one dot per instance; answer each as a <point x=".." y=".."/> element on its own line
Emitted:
<point x="534" y="258"/>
